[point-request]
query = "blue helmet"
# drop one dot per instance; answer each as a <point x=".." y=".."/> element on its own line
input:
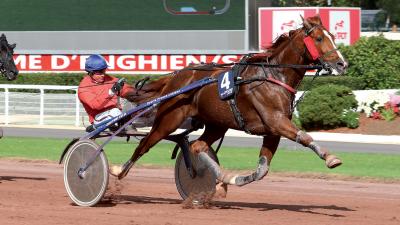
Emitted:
<point x="95" y="63"/>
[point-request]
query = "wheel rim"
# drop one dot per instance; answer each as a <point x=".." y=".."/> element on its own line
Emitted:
<point x="90" y="189"/>
<point x="203" y="182"/>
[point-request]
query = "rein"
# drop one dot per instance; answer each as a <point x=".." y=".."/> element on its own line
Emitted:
<point x="269" y="78"/>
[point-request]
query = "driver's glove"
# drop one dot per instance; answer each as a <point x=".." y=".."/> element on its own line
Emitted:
<point x="117" y="87"/>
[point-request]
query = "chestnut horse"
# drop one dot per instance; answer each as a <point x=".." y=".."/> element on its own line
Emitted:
<point x="7" y="65"/>
<point x="264" y="100"/>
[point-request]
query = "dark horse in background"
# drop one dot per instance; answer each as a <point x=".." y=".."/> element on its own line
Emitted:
<point x="264" y="99"/>
<point x="7" y="65"/>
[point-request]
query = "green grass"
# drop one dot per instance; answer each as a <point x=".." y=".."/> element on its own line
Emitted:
<point x="364" y="165"/>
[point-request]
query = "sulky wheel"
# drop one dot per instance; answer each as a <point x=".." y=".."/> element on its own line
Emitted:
<point x="202" y="182"/>
<point x="89" y="188"/>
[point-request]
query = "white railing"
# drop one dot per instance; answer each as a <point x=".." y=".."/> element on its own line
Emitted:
<point x="41" y="89"/>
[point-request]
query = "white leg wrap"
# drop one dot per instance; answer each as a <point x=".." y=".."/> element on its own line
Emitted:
<point x="210" y="164"/>
<point x="315" y="147"/>
<point x="261" y="171"/>
<point x="238" y="180"/>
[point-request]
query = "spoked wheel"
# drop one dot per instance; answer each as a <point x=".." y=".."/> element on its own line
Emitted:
<point x="202" y="182"/>
<point x="89" y="188"/>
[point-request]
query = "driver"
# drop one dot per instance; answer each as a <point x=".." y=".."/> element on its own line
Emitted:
<point x="99" y="92"/>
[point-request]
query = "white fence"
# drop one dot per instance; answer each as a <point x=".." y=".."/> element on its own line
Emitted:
<point x="41" y="108"/>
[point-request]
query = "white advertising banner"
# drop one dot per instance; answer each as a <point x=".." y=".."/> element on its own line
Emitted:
<point x="284" y="21"/>
<point x="339" y="25"/>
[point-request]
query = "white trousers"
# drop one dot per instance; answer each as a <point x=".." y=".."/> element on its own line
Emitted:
<point x="114" y="112"/>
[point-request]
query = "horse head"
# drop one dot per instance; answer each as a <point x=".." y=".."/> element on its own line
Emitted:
<point x="7" y="65"/>
<point x="320" y="45"/>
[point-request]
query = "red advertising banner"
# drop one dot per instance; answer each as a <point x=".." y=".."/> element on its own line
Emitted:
<point x="343" y="23"/>
<point x="131" y="64"/>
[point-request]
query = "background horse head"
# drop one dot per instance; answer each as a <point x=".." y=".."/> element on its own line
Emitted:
<point x="262" y="105"/>
<point x="7" y="65"/>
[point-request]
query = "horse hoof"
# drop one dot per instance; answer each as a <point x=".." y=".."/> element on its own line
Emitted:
<point x="332" y="161"/>
<point x="116" y="170"/>
<point x="221" y="190"/>
<point x="122" y="175"/>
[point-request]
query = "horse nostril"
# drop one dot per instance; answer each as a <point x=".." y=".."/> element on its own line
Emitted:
<point x="341" y="64"/>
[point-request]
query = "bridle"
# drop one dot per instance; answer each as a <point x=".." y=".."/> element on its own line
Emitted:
<point x="312" y="49"/>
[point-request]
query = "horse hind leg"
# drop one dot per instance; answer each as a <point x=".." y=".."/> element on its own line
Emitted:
<point x="268" y="149"/>
<point x="210" y="135"/>
<point x="164" y="124"/>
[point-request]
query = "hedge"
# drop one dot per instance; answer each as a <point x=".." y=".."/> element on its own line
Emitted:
<point x="69" y="79"/>
<point x="334" y="102"/>
<point x="354" y="83"/>
<point x="376" y="60"/>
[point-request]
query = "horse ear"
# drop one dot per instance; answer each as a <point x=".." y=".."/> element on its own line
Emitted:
<point x="318" y="18"/>
<point x="3" y="36"/>
<point x="306" y="24"/>
<point x="13" y="46"/>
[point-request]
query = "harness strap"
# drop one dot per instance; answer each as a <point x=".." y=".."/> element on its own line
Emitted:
<point x="269" y="78"/>
<point x="278" y="82"/>
<point x="232" y="102"/>
<point x="238" y="116"/>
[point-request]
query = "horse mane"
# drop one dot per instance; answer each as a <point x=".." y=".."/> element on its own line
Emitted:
<point x="272" y="50"/>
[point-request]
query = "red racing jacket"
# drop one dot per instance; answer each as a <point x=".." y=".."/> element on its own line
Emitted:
<point x="95" y="97"/>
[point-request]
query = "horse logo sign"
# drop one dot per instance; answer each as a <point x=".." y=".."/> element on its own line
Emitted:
<point x="339" y="26"/>
<point x="288" y="26"/>
<point x="285" y="21"/>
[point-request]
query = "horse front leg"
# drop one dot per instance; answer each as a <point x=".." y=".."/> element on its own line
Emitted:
<point x="287" y="129"/>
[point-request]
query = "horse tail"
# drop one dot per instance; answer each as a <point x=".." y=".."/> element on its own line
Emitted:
<point x="147" y="91"/>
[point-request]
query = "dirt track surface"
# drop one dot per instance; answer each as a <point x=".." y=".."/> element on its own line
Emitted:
<point x="34" y="193"/>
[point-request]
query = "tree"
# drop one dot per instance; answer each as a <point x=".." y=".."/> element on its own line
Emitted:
<point x="392" y="7"/>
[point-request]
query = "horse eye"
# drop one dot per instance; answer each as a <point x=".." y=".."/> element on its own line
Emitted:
<point x="319" y="38"/>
